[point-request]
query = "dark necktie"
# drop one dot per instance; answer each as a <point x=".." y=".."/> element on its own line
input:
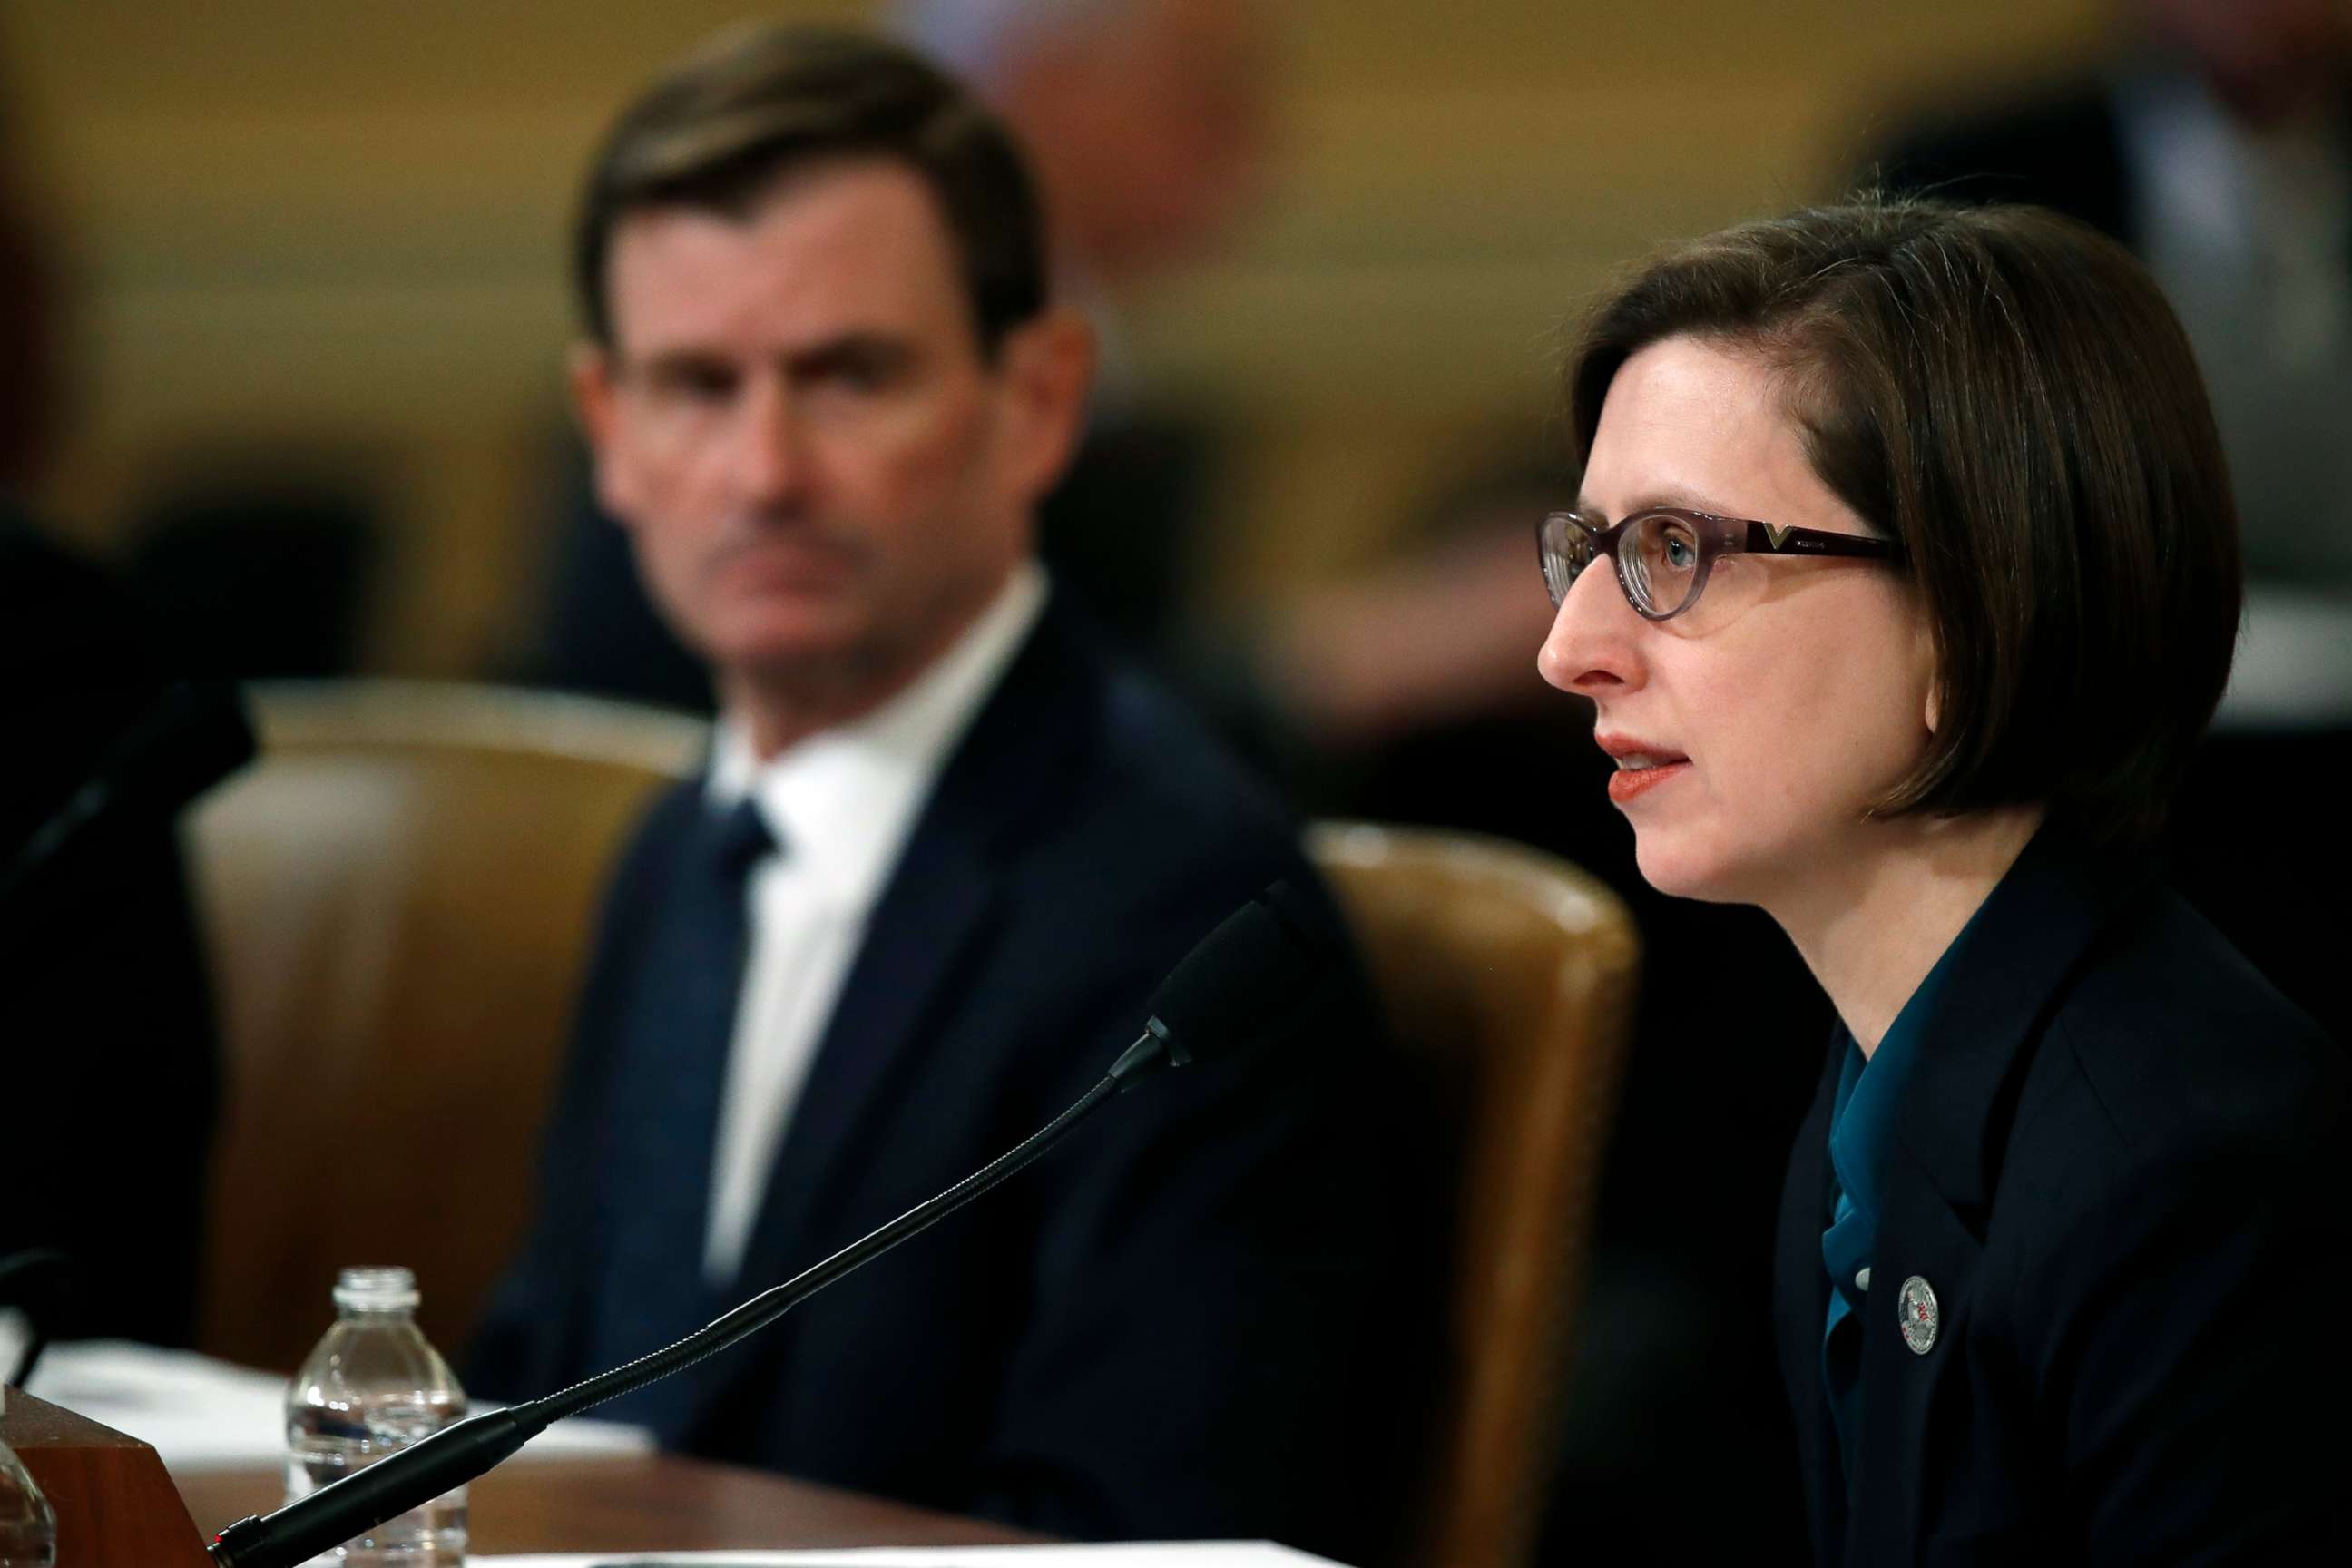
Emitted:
<point x="669" y="1079"/>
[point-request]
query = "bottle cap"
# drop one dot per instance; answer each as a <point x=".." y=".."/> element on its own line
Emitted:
<point x="375" y="1290"/>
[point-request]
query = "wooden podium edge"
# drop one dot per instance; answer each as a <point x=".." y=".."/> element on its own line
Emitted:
<point x="116" y="1507"/>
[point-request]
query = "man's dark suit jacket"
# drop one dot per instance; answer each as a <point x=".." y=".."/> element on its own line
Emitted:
<point x="2122" y="1164"/>
<point x="1185" y="1322"/>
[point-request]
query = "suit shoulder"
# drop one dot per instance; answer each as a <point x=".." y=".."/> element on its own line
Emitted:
<point x="649" y="847"/>
<point x="1150" y="832"/>
<point x="667" y="814"/>
<point x="2169" y="1051"/>
<point x="1161" y="778"/>
<point x="2170" y="1021"/>
<point x="2183" y="1128"/>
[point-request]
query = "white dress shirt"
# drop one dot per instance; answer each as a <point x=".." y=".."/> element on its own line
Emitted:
<point x="841" y="806"/>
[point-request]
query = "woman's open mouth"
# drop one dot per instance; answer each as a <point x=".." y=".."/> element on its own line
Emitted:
<point x="1638" y="773"/>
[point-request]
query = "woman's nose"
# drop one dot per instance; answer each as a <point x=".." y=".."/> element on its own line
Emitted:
<point x="1592" y="648"/>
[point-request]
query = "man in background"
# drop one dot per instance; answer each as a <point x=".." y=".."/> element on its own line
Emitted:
<point x="2217" y="145"/>
<point x="944" y="848"/>
<point x="1148" y="125"/>
<point x="1145" y="123"/>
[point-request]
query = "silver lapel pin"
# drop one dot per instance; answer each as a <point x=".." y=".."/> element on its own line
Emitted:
<point x="1914" y="1307"/>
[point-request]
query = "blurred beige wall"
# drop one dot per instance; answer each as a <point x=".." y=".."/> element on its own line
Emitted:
<point x="339" y="228"/>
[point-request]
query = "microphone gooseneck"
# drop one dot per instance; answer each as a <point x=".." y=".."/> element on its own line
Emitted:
<point x="772" y="1303"/>
<point x="1248" y="982"/>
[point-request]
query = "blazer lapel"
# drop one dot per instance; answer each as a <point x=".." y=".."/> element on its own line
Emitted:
<point x="2008" y="973"/>
<point x="918" y="942"/>
<point x="1943" y="1167"/>
<point x="930" y="912"/>
<point x="1801" y="1307"/>
<point x="1914" y="1401"/>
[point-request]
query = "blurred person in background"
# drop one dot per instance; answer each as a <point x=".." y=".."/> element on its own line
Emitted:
<point x="111" y="1051"/>
<point x="1146" y="122"/>
<point x="2073" y="1169"/>
<point x="945" y="847"/>
<point x="2217" y="145"/>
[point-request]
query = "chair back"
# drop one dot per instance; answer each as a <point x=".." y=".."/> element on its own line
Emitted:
<point x="1508" y="977"/>
<point x="398" y="896"/>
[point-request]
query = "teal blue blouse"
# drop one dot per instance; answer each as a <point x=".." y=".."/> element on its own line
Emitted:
<point x="1861" y="1125"/>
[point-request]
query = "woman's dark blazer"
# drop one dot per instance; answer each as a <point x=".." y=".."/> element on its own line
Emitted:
<point x="2121" y="1165"/>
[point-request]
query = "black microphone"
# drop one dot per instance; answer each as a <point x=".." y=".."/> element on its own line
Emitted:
<point x="192" y="735"/>
<point x="1248" y="983"/>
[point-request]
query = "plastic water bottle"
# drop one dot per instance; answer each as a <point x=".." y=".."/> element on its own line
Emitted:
<point x="28" y="1530"/>
<point x="372" y="1386"/>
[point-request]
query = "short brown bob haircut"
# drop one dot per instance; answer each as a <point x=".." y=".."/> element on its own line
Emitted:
<point x="2005" y="393"/>
<point x="757" y="104"/>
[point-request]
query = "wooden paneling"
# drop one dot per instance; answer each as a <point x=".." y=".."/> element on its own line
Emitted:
<point x="303" y="227"/>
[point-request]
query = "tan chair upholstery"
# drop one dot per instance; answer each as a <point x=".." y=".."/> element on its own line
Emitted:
<point x="398" y="897"/>
<point x="1508" y="974"/>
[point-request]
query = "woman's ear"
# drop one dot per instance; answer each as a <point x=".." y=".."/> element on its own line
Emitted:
<point x="1925" y="660"/>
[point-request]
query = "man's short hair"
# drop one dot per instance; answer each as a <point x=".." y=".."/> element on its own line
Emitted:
<point x="720" y="129"/>
<point x="2005" y="393"/>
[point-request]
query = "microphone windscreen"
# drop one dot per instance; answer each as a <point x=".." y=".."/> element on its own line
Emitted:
<point x="1250" y="981"/>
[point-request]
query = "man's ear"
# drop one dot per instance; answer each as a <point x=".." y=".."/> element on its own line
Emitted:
<point x="1046" y="368"/>
<point x="595" y="399"/>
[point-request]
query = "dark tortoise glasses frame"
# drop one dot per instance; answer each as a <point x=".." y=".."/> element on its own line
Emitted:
<point x="1663" y="555"/>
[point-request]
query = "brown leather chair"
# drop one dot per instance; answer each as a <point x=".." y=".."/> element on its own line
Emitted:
<point x="399" y="896"/>
<point x="1508" y="974"/>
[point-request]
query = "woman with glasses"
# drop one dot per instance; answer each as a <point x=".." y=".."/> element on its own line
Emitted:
<point x="1917" y="584"/>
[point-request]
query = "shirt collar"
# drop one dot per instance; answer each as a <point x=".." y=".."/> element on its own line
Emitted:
<point x="841" y="802"/>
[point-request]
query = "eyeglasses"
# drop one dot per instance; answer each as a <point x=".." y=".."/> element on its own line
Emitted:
<point x="1662" y="555"/>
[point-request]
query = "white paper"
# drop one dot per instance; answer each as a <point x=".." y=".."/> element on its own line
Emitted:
<point x="201" y="1413"/>
<point x="15" y="1334"/>
<point x="1135" y="1554"/>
